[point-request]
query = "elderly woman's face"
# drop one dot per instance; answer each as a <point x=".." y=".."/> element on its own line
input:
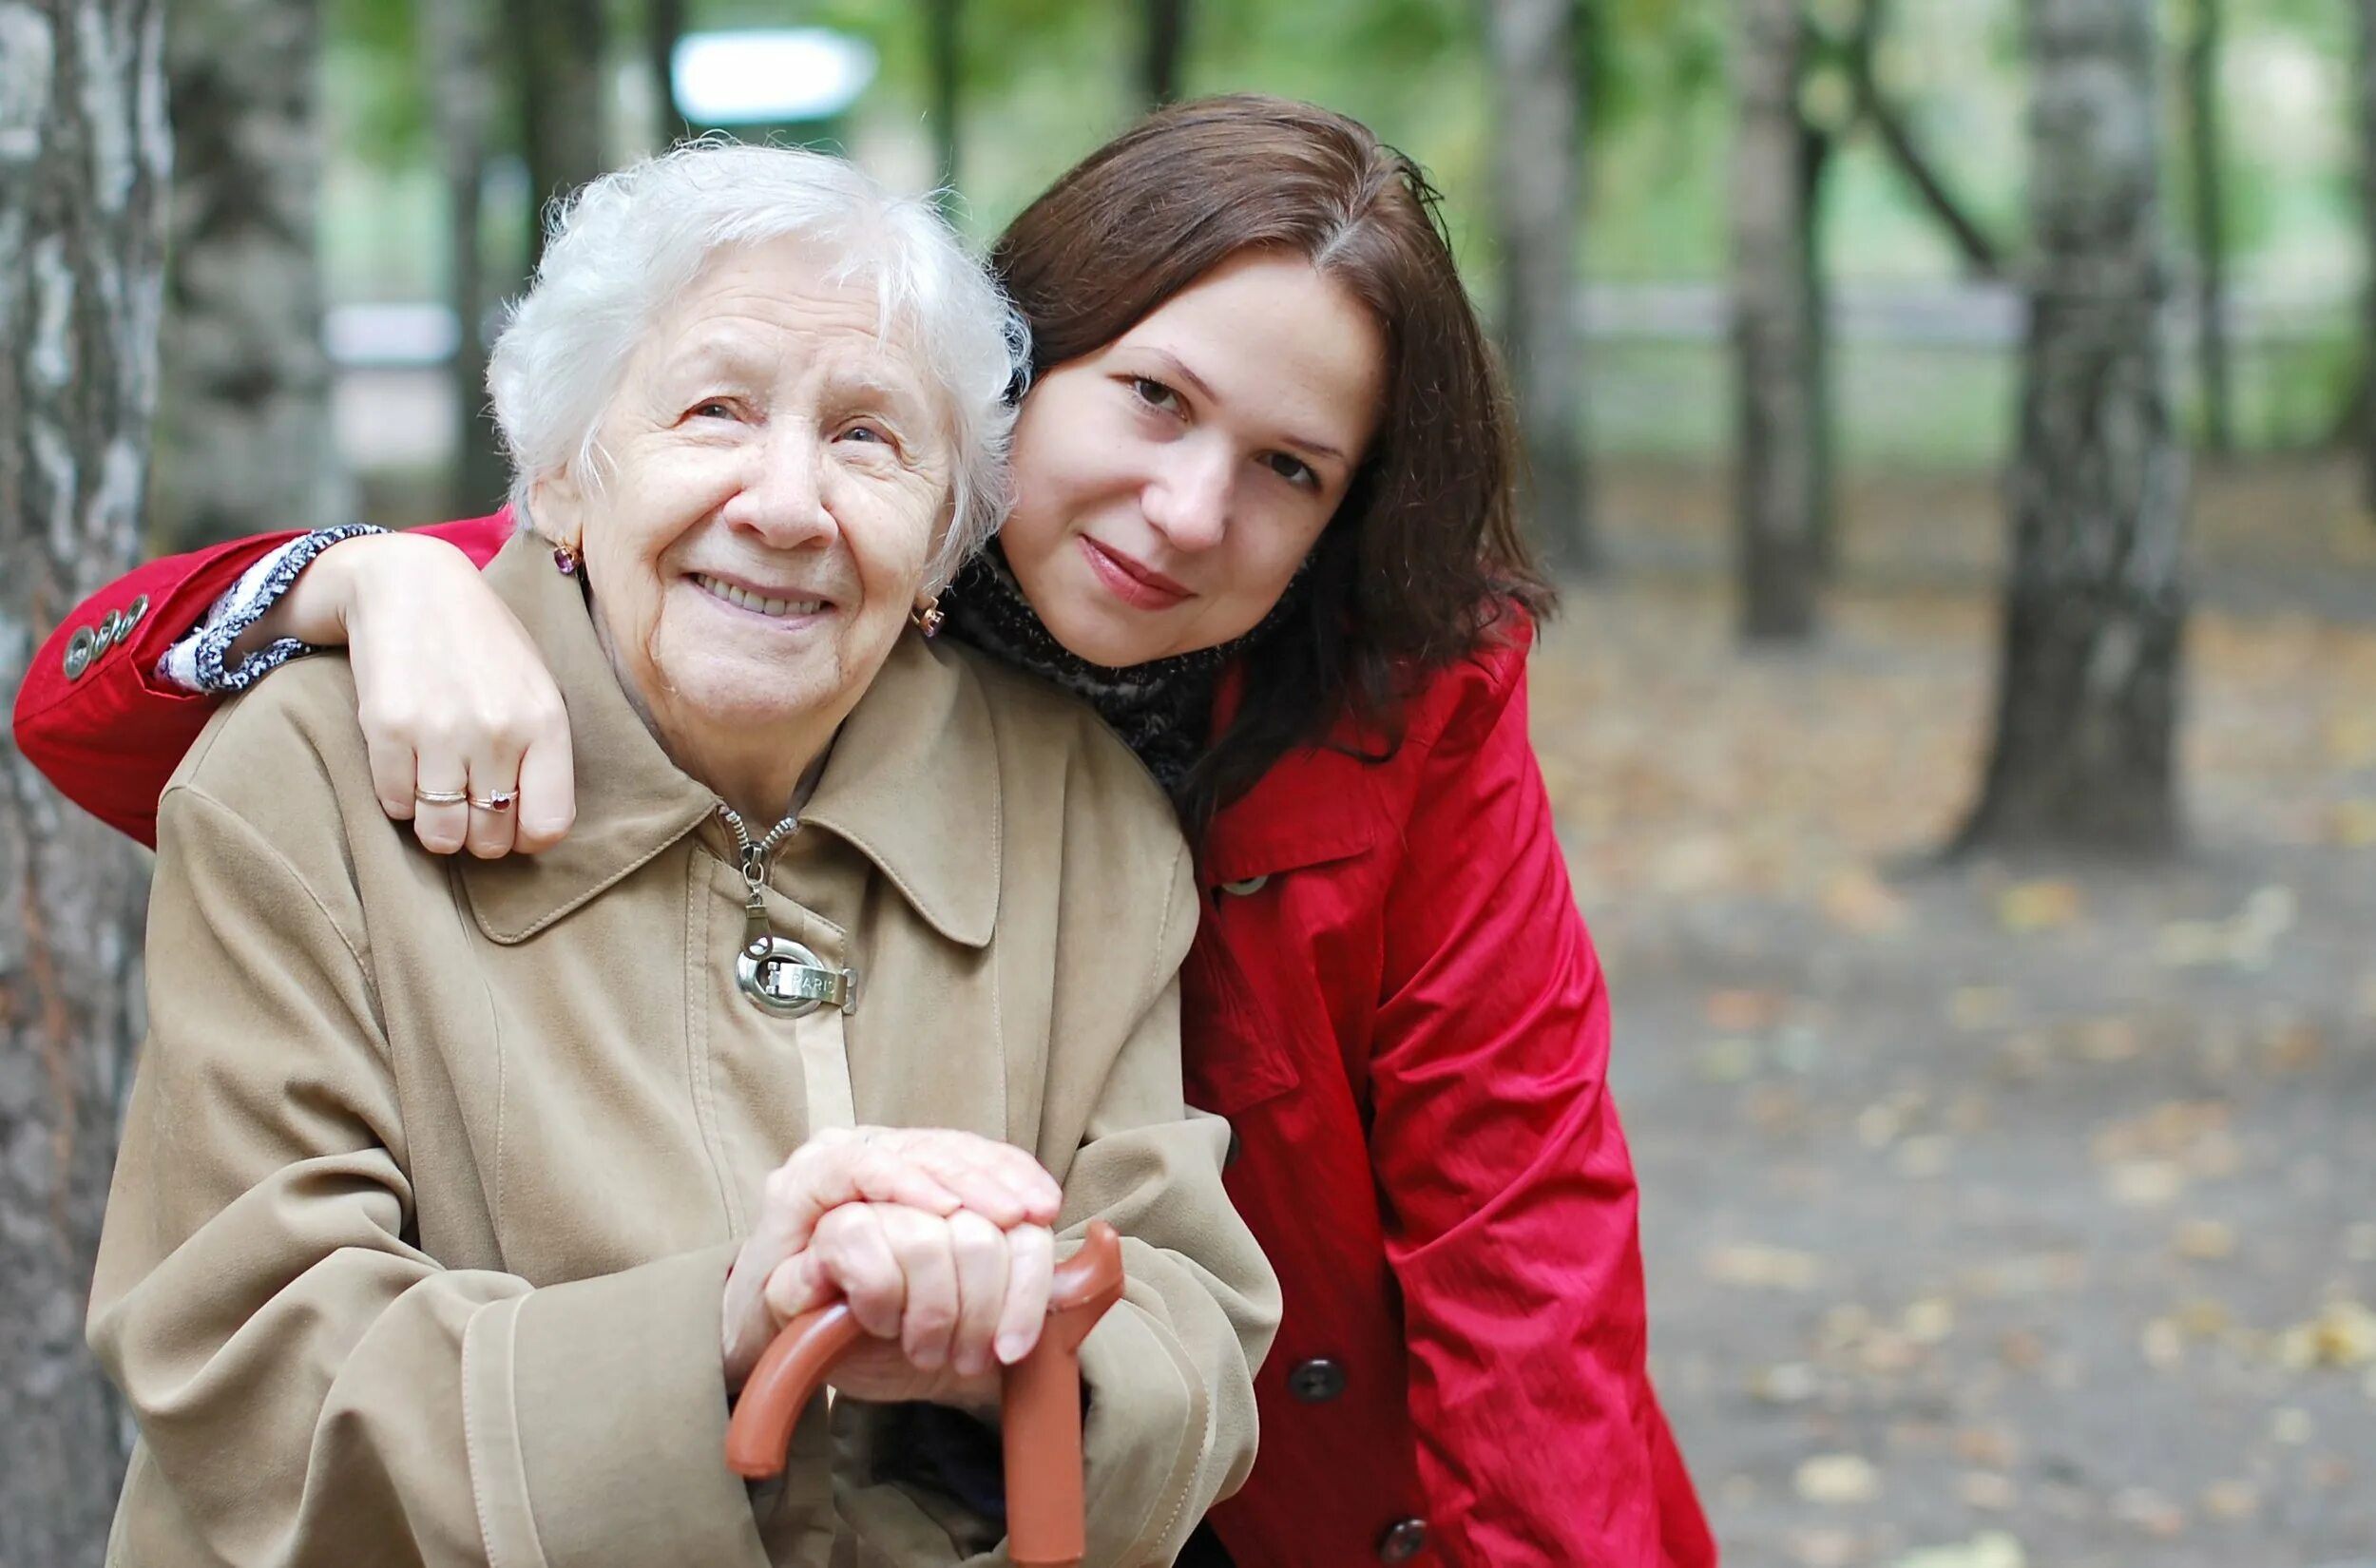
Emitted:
<point x="777" y="477"/>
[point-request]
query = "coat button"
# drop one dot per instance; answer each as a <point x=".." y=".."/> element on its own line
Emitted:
<point x="1245" y="885"/>
<point x="1406" y="1541"/>
<point x="79" y="650"/>
<point x="1317" y="1381"/>
<point x="111" y="629"/>
<point x="132" y="614"/>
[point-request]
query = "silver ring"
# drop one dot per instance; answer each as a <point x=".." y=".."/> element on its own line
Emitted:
<point x="500" y="801"/>
<point x="441" y="797"/>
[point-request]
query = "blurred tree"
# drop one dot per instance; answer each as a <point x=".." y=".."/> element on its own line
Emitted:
<point x="558" y="53"/>
<point x="244" y="437"/>
<point x="2095" y="600"/>
<point x="663" y="26"/>
<point x="2365" y="402"/>
<point x="2201" y="78"/>
<point x="85" y="167"/>
<point x="1537" y="198"/>
<point x="457" y="51"/>
<point x="1772" y="308"/>
<point x="945" y="21"/>
<point x="1166" y="47"/>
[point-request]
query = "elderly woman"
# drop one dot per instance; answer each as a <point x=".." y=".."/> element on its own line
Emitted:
<point x="456" y="1197"/>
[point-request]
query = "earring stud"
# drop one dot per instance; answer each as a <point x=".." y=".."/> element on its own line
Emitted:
<point x="927" y="617"/>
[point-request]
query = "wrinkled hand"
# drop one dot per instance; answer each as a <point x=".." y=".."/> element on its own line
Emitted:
<point x="451" y="693"/>
<point x="938" y="1239"/>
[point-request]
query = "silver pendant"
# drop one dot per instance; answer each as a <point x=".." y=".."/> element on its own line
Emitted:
<point x="788" y="980"/>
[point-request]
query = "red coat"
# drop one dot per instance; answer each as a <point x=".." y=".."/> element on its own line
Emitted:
<point x="1396" y="1004"/>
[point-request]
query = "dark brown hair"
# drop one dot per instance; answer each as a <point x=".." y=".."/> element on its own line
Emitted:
<point x="1424" y="557"/>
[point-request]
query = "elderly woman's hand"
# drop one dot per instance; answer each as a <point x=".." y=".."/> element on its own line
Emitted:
<point x="938" y="1239"/>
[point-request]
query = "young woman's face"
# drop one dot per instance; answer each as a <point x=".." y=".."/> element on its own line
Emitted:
<point x="1168" y="484"/>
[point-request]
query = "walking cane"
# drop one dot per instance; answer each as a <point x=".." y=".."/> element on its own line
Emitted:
<point x="1042" y="1399"/>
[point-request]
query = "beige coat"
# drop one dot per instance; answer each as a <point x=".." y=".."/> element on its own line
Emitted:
<point x="433" y="1168"/>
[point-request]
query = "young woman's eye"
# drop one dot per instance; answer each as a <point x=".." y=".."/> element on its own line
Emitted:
<point x="1294" y="470"/>
<point x="1155" y="394"/>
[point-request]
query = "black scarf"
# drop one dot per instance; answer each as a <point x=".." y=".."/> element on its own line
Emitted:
<point x="1161" y="709"/>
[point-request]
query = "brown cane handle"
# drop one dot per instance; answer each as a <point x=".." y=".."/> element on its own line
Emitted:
<point x="1041" y="1418"/>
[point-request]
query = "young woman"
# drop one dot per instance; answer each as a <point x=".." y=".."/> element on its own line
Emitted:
<point x="1264" y="524"/>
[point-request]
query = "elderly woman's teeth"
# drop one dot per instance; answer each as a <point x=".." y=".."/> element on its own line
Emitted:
<point x="744" y="599"/>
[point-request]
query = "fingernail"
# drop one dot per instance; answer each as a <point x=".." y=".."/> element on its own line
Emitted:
<point x="1011" y="1348"/>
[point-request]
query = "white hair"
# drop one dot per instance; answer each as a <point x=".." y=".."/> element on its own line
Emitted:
<point x="629" y="243"/>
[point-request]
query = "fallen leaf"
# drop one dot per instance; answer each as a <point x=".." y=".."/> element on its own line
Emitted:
<point x="1745" y="1012"/>
<point x="2230" y="1502"/>
<point x="1928" y="1321"/>
<point x="1860" y="902"/>
<point x="1991" y="1549"/>
<point x="1790" y="1383"/>
<point x="1838" y="1478"/>
<point x="2205" y="1241"/>
<point x="1750" y="1265"/>
<point x="1986" y="1489"/>
<point x="2145" y="1183"/>
<point x="1972" y="1007"/>
<point x="2352" y="824"/>
<point x="2342" y="1334"/>
<point x="2163" y="1344"/>
<point x="2150" y="1512"/>
<point x="2030" y="906"/>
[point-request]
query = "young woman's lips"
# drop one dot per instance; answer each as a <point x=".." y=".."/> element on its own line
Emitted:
<point x="1138" y="585"/>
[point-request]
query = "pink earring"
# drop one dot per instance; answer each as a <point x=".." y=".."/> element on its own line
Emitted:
<point x="927" y="617"/>
<point x="564" y="560"/>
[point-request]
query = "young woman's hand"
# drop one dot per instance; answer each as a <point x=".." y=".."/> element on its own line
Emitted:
<point x="452" y="694"/>
<point x="939" y="1239"/>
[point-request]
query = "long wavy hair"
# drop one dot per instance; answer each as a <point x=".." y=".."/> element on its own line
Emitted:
<point x="1424" y="559"/>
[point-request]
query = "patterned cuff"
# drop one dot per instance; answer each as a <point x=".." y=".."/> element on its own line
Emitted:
<point x="196" y="662"/>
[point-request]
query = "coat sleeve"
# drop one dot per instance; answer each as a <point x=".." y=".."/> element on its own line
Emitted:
<point x="311" y="1387"/>
<point x="1170" y="1370"/>
<point x="110" y="737"/>
<point x="1507" y="1190"/>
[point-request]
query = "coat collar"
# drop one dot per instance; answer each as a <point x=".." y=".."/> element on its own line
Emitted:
<point x="911" y="783"/>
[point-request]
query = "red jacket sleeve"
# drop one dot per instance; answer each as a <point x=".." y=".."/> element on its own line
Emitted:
<point x="1510" y="1193"/>
<point x="110" y="735"/>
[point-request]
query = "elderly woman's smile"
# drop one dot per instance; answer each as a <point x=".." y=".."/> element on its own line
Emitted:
<point x="756" y="523"/>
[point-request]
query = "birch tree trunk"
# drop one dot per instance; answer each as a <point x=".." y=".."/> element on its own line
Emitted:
<point x="2094" y="606"/>
<point x="464" y="88"/>
<point x="85" y="159"/>
<point x="944" y="26"/>
<point x="244" y="439"/>
<point x="1778" y="464"/>
<point x="1538" y="198"/>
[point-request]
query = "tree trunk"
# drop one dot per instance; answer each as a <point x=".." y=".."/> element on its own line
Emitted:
<point x="2210" y="242"/>
<point x="558" y="50"/>
<point x="1778" y="464"/>
<point x="2366" y="424"/>
<point x="2095" y="607"/>
<point x="244" y="437"/>
<point x="1166" y="46"/>
<point x="663" y="28"/>
<point x="1816" y="149"/>
<point x="464" y="88"/>
<point x="943" y="19"/>
<point x="1538" y="191"/>
<point x="86" y="159"/>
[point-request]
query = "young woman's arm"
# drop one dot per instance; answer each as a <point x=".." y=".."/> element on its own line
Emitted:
<point x="448" y="682"/>
<point x="1510" y="1196"/>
